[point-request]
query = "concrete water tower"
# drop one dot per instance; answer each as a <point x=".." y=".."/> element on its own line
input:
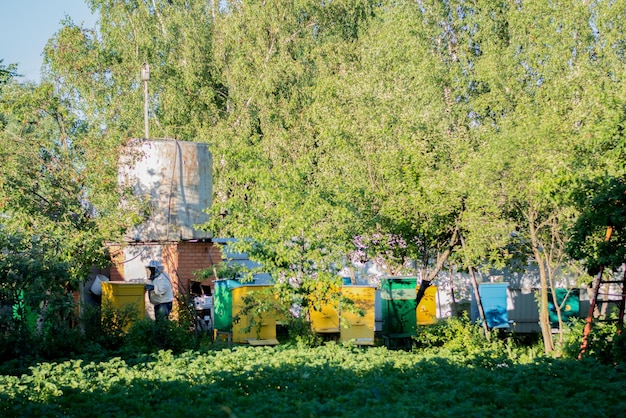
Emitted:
<point x="175" y="179"/>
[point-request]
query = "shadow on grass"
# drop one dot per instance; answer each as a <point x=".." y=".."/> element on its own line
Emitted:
<point x="322" y="382"/>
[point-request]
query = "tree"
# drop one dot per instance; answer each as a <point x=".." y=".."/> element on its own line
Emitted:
<point x="599" y="192"/>
<point x="273" y="155"/>
<point x="44" y="190"/>
<point x="400" y="126"/>
<point x="7" y="72"/>
<point x="339" y="146"/>
<point x="51" y="234"/>
<point x="602" y="207"/>
<point x="536" y="81"/>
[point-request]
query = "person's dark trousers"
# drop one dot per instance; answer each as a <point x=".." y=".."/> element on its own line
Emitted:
<point x="162" y="310"/>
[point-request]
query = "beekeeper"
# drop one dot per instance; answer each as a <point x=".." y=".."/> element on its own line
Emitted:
<point x="159" y="290"/>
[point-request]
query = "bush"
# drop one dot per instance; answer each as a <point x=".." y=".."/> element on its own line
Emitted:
<point x="51" y="332"/>
<point x="61" y="341"/>
<point x="300" y="332"/>
<point x="16" y="338"/>
<point x="185" y="311"/>
<point x="455" y="334"/>
<point x="91" y="322"/>
<point x="108" y="325"/>
<point x="114" y="329"/>
<point x="147" y="336"/>
<point x="459" y="337"/>
<point x="605" y="342"/>
<point x="60" y="334"/>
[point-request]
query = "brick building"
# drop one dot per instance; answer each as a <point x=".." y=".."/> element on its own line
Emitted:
<point x="175" y="178"/>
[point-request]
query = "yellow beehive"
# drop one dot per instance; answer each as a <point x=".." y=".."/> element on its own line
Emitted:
<point x="325" y="321"/>
<point x="125" y="297"/>
<point x="354" y="327"/>
<point x="426" y="311"/>
<point x="254" y="326"/>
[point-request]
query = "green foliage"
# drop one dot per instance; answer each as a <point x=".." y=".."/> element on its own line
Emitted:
<point x="300" y="333"/>
<point x="40" y="317"/>
<point x="28" y="272"/>
<point x="60" y="334"/>
<point x="115" y="329"/>
<point x="458" y="338"/>
<point x="45" y="193"/>
<point x="50" y="332"/>
<point x="17" y="339"/>
<point x="185" y="311"/>
<point x="328" y="121"/>
<point x="49" y="237"/>
<point x="454" y="333"/>
<point x="330" y="380"/>
<point x="606" y="343"/>
<point x="602" y="204"/>
<point x="147" y="336"/>
<point x="114" y="325"/>
<point x="91" y="323"/>
<point x="225" y="270"/>
<point x="7" y="72"/>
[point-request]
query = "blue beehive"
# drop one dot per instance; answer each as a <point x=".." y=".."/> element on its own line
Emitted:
<point x="493" y="297"/>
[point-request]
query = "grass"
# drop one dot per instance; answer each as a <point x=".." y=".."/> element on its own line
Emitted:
<point x="330" y="380"/>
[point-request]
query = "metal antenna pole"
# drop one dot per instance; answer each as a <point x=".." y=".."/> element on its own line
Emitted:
<point x="145" y="76"/>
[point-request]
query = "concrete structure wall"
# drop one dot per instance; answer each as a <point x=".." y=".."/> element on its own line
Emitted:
<point x="175" y="179"/>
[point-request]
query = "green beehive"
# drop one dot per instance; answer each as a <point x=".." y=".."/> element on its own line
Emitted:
<point x="399" y="306"/>
<point x="568" y="300"/>
<point x="223" y="304"/>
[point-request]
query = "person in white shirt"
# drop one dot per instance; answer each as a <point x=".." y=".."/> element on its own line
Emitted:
<point x="160" y="290"/>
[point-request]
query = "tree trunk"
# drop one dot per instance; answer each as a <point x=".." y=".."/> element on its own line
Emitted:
<point x="440" y="262"/>
<point x="479" y="303"/>
<point x="544" y="318"/>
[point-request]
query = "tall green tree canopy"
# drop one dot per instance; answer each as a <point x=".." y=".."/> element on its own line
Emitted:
<point x="350" y="119"/>
<point x="357" y="129"/>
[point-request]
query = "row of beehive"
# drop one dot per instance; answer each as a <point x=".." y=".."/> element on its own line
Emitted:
<point x="396" y="300"/>
<point x="502" y="309"/>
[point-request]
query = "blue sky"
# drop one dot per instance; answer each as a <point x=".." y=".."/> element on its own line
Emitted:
<point x="26" y="26"/>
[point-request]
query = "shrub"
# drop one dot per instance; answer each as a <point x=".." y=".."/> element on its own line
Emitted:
<point x="604" y="343"/>
<point x="185" y="311"/>
<point x="455" y="334"/>
<point x="458" y="337"/>
<point x="61" y="341"/>
<point x="114" y="325"/>
<point x="147" y="336"/>
<point x="16" y="338"/>
<point x="50" y="332"/>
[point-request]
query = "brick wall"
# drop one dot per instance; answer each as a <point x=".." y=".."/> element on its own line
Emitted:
<point x="196" y="256"/>
<point x="180" y="259"/>
<point x="170" y="263"/>
<point x="117" y="263"/>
